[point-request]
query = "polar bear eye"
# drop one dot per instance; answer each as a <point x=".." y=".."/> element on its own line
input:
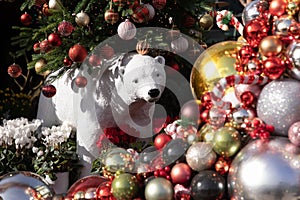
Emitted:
<point x="135" y="81"/>
<point x="157" y="75"/>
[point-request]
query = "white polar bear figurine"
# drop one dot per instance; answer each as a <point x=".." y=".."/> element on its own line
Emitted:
<point x="122" y="92"/>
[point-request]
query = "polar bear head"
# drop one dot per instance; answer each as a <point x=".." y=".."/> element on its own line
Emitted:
<point x="143" y="78"/>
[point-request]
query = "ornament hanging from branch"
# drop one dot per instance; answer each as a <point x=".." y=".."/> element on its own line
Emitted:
<point x="111" y="17"/>
<point x="126" y="30"/>
<point x="82" y="19"/>
<point x="65" y="28"/>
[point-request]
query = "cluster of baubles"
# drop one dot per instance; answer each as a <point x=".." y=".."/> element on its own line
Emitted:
<point x="247" y="88"/>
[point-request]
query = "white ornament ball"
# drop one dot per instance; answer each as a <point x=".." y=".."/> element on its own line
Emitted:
<point x="278" y="104"/>
<point x="53" y="4"/>
<point x="126" y="30"/>
<point x="180" y="45"/>
<point x="82" y="19"/>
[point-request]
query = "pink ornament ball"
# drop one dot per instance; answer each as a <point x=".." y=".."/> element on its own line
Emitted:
<point x="294" y="133"/>
<point x="80" y="81"/>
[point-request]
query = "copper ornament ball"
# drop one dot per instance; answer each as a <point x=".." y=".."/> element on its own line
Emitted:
<point x="181" y="173"/>
<point x="270" y="46"/>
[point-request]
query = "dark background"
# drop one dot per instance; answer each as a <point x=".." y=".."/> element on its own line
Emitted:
<point x="9" y="16"/>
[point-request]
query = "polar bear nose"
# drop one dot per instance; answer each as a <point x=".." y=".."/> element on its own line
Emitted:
<point x="153" y="93"/>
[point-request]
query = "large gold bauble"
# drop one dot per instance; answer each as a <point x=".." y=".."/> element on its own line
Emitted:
<point x="214" y="63"/>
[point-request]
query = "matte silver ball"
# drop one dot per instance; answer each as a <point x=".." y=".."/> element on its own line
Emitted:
<point x="278" y="104"/>
<point x="266" y="170"/>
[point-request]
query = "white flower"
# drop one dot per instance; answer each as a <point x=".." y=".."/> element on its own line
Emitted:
<point x="56" y="134"/>
<point x="35" y="149"/>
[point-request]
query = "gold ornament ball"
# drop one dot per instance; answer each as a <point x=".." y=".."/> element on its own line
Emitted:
<point x="159" y="188"/>
<point x="214" y="63"/>
<point x="270" y="46"/>
<point x="206" y="133"/>
<point x="206" y="21"/>
<point x="227" y="141"/>
<point x="82" y="19"/>
<point x="39" y="65"/>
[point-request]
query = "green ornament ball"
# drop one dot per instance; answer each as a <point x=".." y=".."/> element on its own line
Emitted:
<point x="124" y="186"/>
<point x="226" y="141"/>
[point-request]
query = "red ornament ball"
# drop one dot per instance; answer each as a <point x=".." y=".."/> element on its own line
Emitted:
<point x="159" y="4"/>
<point x="45" y="46"/>
<point x="36" y="47"/>
<point x="106" y="52"/>
<point x="54" y="39"/>
<point x="67" y="62"/>
<point x="95" y="60"/>
<point x="254" y="31"/>
<point x="126" y="30"/>
<point x="77" y="53"/>
<point x="48" y="91"/>
<point x="84" y="186"/>
<point x="273" y="67"/>
<point x="14" y="70"/>
<point x="111" y="17"/>
<point x="161" y="140"/>
<point x="80" y="81"/>
<point x="140" y="14"/>
<point x="26" y="19"/>
<point x="65" y="28"/>
<point x="181" y="173"/>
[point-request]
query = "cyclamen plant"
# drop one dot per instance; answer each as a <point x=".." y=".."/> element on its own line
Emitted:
<point x="17" y="138"/>
<point x="56" y="151"/>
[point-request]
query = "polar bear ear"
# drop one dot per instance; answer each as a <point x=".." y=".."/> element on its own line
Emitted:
<point x="160" y="60"/>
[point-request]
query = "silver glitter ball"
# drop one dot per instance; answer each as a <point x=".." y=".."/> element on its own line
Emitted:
<point x="266" y="170"/>
<point x="279" y="104"/>
<point x="200" y="156"/>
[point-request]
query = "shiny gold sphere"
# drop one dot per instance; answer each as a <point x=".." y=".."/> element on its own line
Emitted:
<point x="270" y="46"/>
<point x="214" y="63"/>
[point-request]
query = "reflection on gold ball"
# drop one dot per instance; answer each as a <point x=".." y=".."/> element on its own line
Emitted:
<point x="213" y="64"/>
